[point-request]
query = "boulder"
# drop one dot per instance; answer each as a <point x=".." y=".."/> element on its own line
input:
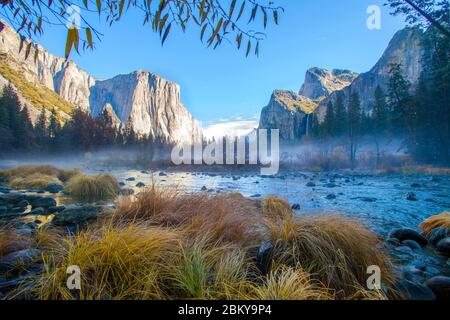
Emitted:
<point x="438" y="234"/>
<point x="411" y="196"/>
<point x="126" y="192"/>
<point x="37" y="212"/>
<point x="412" y="244"/>
<point x="414" y="291"/>
<point x="76" y="215"/>
<point x="24" y="257"/>
<point x="54" y="188"/>
<point x="43" y="202"/>
<point x="56" y="209"/>
<point x="440" y="285"/>
<point x="4" y="189"/>
<point x="11" y="198"/>
<point x="443" y="247"/>
<point x="403" y="234"/>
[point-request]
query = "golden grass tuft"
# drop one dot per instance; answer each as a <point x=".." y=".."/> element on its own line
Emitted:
<point x="438" y="221"/>
<point x="34" y="181"/>
<point x="28" y="170"/>
<point x="276" y="209"/>
<point x="116" y="262"/>
<point x="288" y="283"/>
<point x="90" y="188"/>
<point x="225" y="217"/>
<point x="66" y="174"/>
<point x="337" y="251"/>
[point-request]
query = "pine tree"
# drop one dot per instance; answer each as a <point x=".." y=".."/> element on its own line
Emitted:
<point x="341" y="116"/>
<point x="380" y="120"/>
<point x="399" y="100"/>
<point x="380" y="112"/>
<point x="329" y="121"/>
<point x="41" y="130"/>
<point x="354" y="124"/>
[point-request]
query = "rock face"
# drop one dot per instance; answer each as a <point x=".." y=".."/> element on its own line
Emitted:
<point x="151" y="104"/>
<point x="406" y="48"/>
<point x="321" y="82"/>
<point x="145" y="101"/>
<point x="288" y="112"/>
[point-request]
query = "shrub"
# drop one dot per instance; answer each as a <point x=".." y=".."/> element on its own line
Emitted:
<point x="90" y="188"/>
<point x="433" y="222"/>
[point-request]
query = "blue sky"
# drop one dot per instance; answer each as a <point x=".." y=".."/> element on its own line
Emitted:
<point x="222" y="84"/>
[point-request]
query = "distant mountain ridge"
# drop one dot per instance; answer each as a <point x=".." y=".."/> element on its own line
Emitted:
<point x="407" y="48"/>
<point x="146" y="102"/>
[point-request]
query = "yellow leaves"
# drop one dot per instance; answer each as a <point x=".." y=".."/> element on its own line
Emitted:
<point x="73" y="39"/>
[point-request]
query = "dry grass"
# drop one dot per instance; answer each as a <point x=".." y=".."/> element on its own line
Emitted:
<point x="335" y="250"/>
<point x="120" y="262"/>
<point x="90" y="188"/>
<point x="167" y="245"/>
<point x="441" y="220"/>
<point x="287" y="283"/>
<point x="226" y="217"/>
<point x="34" y="181"/>
<point x="66" y="174"/>
<point x="28" y="170"/>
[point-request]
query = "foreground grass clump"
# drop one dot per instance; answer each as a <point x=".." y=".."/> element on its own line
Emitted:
<point x="225" y="217"/>
<point x="120" y="262"/>
<point x="438" y="221"/>
<point x="34" y="181"/>
<point x="167" y="245"/>
<point x="337" y="251"/>
<point x="100" y="187"/>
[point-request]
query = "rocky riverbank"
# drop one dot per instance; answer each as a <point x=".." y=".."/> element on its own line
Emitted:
<point x="420" y="256"/>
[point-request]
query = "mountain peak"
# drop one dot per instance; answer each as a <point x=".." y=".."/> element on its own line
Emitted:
<point x="321" y="82"/>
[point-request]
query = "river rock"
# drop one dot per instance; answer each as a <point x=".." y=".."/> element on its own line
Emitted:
<point x="408" y="234"/>
<point x="440" y="285"/>
<point x="162" y="174"/>
<point x="3" y="209"/>
<point x="75" y="215"/>
<point x="296" y="206"/>
<point x="438" y="234"/>
<point x="443" y="247"/>
<point x="331" y="197"/>
<point x="126" y="192"/>
<point x="310" y="184"/>
<point x="204" y="188"/>
<point x="54" y="188"/>
<point x="131" y="179"/>
<point x="56" y="209"/>
<point x="4" y="189"/>
<point x="43" y="202"/>
<point x="19" y="258"/>
<point x="412" y="244"/>
<point x="414" y="291"/>
<point x="11" y="198"/>
<point x="411" y="196"/>
<point x="140" y="185"/>
<point x="37" y="212"/>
